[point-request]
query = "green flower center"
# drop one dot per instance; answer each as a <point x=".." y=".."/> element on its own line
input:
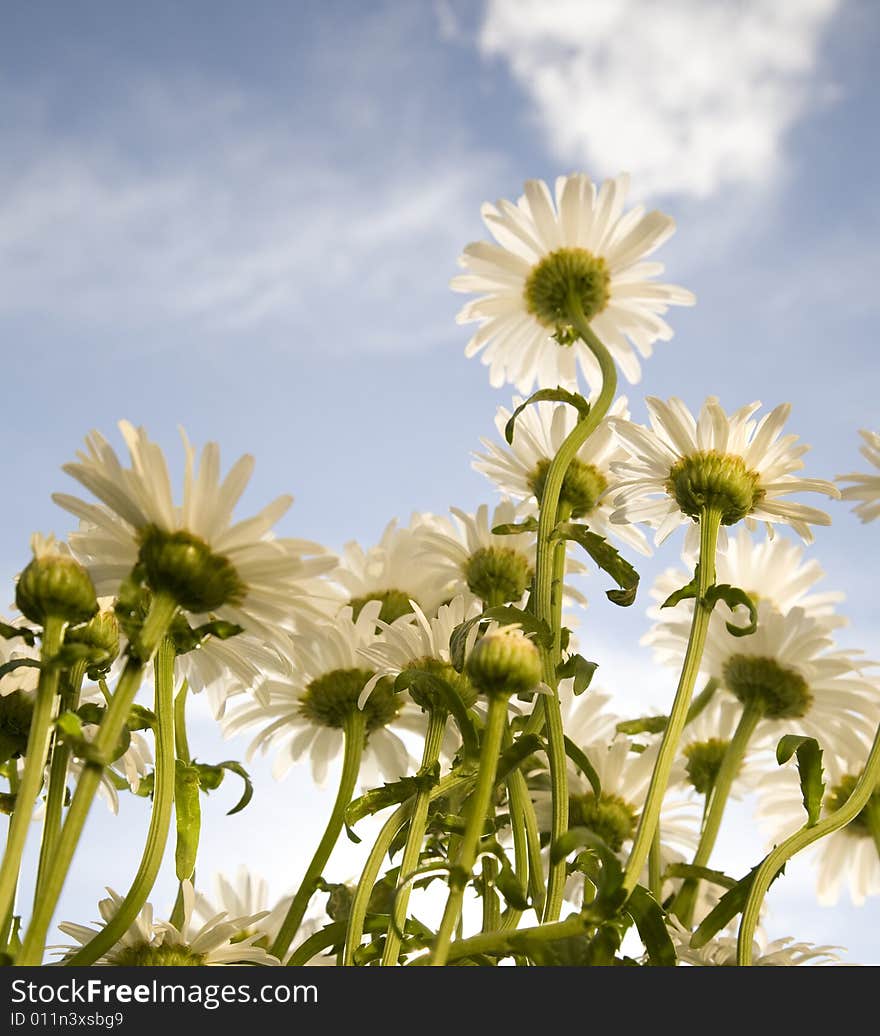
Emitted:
<point x="395" y="603"/>
<point x="710" y="479"/>
<point x="610" y="817"/>
<point x="582" y="486"/>
<point x="16" y="710"/>
<point x="556" y="278"/>
<point x="862" y="826"/>
<point x="332" y="698"/>
<point x="143" y="955"/>
<point x="184" y="567"/>
<point x="498" y="574"/>
<point x="779" y="693"/>
<point x="423" y="694"/>
<point x="704" y="759"/>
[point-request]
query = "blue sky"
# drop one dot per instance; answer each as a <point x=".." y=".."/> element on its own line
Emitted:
<point x="244" y="221"/>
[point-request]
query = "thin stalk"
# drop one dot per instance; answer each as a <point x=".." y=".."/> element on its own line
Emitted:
<point x="34" y="764"/>
<point x="160" y="818"/>
<point x="491" y="908"/>
<point x="354" y="733"/>
<point x="9" y="920"/>
<point x="506" y="943"/>
<point x="361" y="900"/>
<point x="181" y="742"/>
<point x="686" y="899"/>
<point x="478" y="808"/>
<point x="655" y="880"/>
<point x="159" y="618"/>
<point x="710" y="522"/>
<point x="415" y="836"/>
<point x="60" y="760"/>
<point x="775" y="860"/>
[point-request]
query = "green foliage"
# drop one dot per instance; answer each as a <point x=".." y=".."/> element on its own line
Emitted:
<point x="606" y="557"/>
<point x="810" y="770"/>
<point x="548" y="395"/>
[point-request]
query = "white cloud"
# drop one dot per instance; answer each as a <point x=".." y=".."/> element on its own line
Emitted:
<point x="687" y="95"/>
<point x="222" y="217"/>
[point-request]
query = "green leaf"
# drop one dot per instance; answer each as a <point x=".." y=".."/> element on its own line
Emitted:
<point x="651" y="923"/>
<point x="517" y="753"/>
<point x="141" y="718"/>
<point x="508" y="615"/>
<point x="606" y="557"/>
<point x="219" y="629"/>
<point x="548" y="395"/>
<point x="731" y="903"/>
<point x="509" y="886"/>
<point x="734" y="597"/>
<point x="69" y="726"/>
<point x="458" y="642"/>
<point x="8" y="632"/>
<point x="381" y="798"/>
<point x="516" y="528"/>
<point x="579" y="757"/>
<point x="688" y="592"/>
<point x="609" y="884"/>
<point x="578" y="667"/>
<point x="188" y="813"/>
<point x="643" y="725"/>
<point x="18" y="663"/>
<point x="691" y="870"/>
<point x="810" y="770"/>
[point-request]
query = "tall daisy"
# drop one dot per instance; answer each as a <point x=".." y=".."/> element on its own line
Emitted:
<point x="148" y="943"/>
<point x="585" y="246"/>
<point x="520" y="469"/>
<point x="865" y="488"/>
<point x="192" y="550"/>
<point x="391" y="572"/>
<point x="304" y="712"/>
<point x="721" y="951"/>
<point x="614" y="815"/>
<point x="737" y="464"/>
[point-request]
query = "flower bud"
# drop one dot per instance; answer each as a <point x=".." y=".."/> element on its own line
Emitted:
<point x="101" y="636"/>
<point x="54" y="585"/>
<point x="505" y="661"/>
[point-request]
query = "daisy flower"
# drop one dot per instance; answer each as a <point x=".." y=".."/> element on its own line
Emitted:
<point x="148" y="943"/>
<point x="734" y="463"/>
<point x="303" y="712"/>
<point x="624" y="776"/>
<point x="865" y="488"/>
<point x="584" y="245"/>
<point x="520" y="470"/>
<point x="721" y="951"/>
<point x="849" y="856"/>
<point x="790" y="672"/>
<point x="244" y="896"/>
<point x="704" y="744"/>
<point x="392" y="572"/>
<point x="192" y="551"/>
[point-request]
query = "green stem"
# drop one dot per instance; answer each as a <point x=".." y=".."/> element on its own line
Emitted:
<point x="528" y="866"/>
<point x="491" y="908"/>
<point x="686" y="900"/>
<point x="160" y="818"/>
<point x="8" y="921"/>
<point x="506" y="943"/>
<point x="57" y="787"/>
<point x="778" y="857"/>
<point x="181" y="742"/>
<point x="710" y="522"/>
<point x="548" y="586"/>
<point x="655" y="879"/>
<point x="361" y="900"/>
<point x="415" y="836"/>
<point x="871" y="816"/>
<point x="354" y="733"/>
<point x="35" y="762"/>
<point x="159" y="618"/>
<point x="478" y="808"/>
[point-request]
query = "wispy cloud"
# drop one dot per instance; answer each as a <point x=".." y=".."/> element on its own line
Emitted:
<point x="687" y="95"/>
<point x="224" y="216"/>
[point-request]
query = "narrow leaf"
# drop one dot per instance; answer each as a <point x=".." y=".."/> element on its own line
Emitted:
<point x="734" y="597"/>
<point x="579" y="757"/>
<point x="810" y="770"/>
<point x="606" y="557"/>
<point x="578" y="667"/>
<point x="651" y="923"/>
<point x="547" y="395"/>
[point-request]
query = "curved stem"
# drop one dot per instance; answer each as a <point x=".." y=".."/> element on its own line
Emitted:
<point x="34" y="764"/>
<point x="162" y="611"/>
<point x="686" y="899"/>
<point x="160" y="818"/>
<point x="506" y="943"/>
<point x="710" y="522"/>
<point x="60" y="760"/>
<point x="354" y="733"/>
<point x="478" y="808"/>
<point x="549" y="573"/>
<point x="361" y="901"/>
<point x="415" y="836"/>
<point x="778" y="857"/>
